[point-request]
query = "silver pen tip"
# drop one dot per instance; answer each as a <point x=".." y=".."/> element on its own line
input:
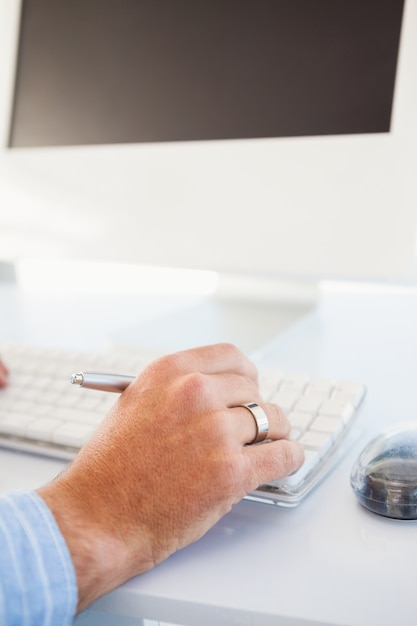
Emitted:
<point x="77" y="379"/>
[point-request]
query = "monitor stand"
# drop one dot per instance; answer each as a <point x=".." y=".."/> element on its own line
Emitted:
<point x="7" y="272"/>
<point x="246" y="311"/>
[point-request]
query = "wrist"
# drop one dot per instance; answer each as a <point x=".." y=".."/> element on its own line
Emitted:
<point x="101" y="557"/>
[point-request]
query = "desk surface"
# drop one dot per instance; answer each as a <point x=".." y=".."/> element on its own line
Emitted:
<point x="328" y="561"/>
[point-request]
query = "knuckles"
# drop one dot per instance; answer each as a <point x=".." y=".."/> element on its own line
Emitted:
<point x="196" y="388"/>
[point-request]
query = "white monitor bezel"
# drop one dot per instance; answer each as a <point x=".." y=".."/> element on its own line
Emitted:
<point x="399" y="146"/>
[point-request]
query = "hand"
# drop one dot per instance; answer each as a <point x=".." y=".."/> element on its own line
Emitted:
<point x="166" y="464"/>
<point x="3" y="374"/>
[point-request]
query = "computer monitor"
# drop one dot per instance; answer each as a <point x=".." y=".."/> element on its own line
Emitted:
<point x="305" y="173"/>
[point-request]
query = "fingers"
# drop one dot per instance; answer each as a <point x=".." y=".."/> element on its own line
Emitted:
<point x="273" y="460"/>
<point x="3" y="374"/>
<point x="246" y="428"/>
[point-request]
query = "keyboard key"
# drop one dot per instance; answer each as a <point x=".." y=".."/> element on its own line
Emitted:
<point x="72" y="434"/>
<point x="294" y="382"/>
<point x="317" y="441"/>
<point x="320" y="385"/>
<point x="332" y="425"/>
<point x="309" y="403"/>
<point x="41" y="428"/>
<point x="15" y="424"/>
<point x="18" y="379"/>
<point x="88" y="402"/>
<point x="337" y="408"/>
<point x="285" y="399"/>
<point x="30" y="394"/>
<point x="76" y="415"/>
<point x="21" y="406"/>
<point x="300" y="421"/>
<point x="40" y="382"/>
<point x="349" y="391"/>
<point x="42" y="410"/>
<point x="51" y="397"/>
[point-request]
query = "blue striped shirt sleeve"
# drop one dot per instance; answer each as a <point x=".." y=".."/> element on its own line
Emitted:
<point x="37" y="579"/>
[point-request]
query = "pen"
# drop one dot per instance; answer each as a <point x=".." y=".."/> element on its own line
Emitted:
<point x="102" y="381"/>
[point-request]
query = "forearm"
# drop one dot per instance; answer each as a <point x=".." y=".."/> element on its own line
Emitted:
<point x="100" y="554"/>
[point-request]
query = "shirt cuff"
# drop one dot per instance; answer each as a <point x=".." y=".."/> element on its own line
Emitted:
<point x="37" y="578"/>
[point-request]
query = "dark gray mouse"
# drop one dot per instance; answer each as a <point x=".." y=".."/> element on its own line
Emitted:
<point x="384" y="477"/>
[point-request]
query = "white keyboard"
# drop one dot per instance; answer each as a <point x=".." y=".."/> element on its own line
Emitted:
<point x="41" y="412"/>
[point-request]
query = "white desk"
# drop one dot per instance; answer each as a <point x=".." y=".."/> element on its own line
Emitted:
<point x="328" y="561"/>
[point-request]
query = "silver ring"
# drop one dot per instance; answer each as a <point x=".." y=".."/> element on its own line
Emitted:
<point x="261" y="421"/>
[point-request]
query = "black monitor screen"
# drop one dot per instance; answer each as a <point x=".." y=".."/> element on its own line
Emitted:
<point x="123" y="71"/>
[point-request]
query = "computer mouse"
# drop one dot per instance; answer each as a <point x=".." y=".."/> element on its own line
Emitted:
<point x="384" y="477"/>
